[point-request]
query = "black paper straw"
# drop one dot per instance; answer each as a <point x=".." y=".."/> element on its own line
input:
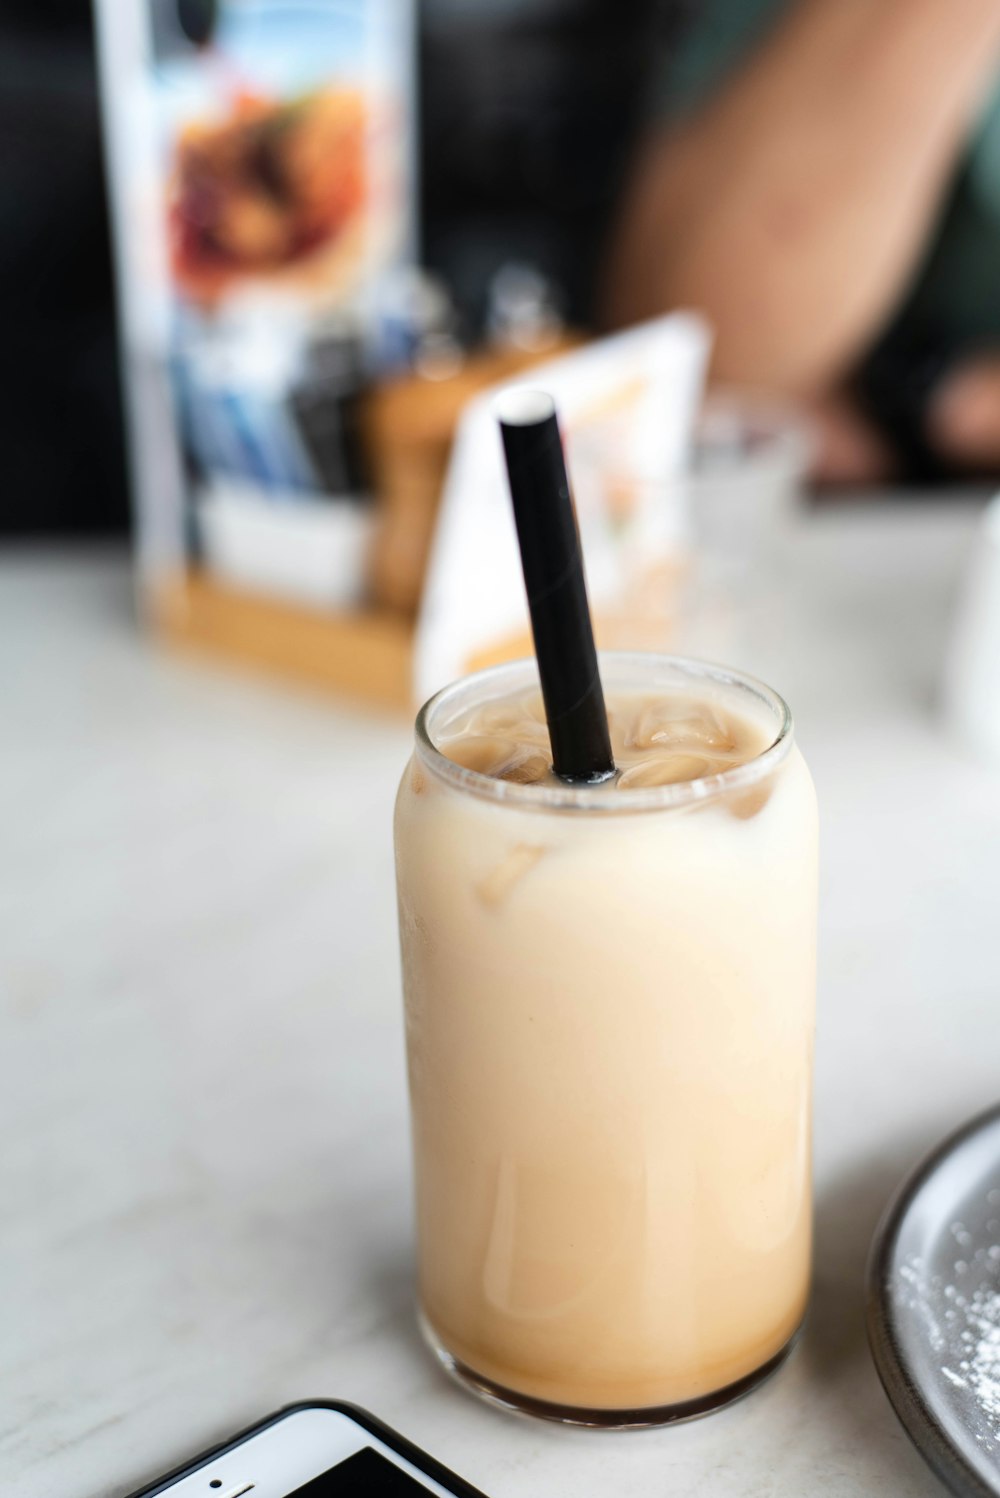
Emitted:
<point x="557" y="591"/>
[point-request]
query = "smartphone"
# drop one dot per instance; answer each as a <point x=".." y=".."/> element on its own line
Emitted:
<point x="321" y="1450"/>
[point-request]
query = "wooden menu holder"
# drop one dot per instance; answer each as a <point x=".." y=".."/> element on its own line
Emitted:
<point x="366" y="654"/>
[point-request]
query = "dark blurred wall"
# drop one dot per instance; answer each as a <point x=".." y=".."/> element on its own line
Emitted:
<point x="61" y="444"/>
<point x="529" y="111"/>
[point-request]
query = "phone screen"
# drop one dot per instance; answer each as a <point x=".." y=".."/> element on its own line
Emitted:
<point x="366" y="1474"/>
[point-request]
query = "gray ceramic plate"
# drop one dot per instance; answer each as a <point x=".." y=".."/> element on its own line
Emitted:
<point x="934" y="1308"/>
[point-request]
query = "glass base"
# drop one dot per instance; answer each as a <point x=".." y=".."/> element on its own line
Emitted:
<point x="566" y="1414"/>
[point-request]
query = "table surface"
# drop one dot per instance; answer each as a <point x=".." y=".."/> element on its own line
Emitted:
<point x="204" y="1178"/>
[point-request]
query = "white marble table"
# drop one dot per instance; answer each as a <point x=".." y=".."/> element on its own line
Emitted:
<point x="204" y="1206"/>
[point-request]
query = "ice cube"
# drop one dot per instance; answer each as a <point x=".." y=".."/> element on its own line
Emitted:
<point x="748" y="803"/>
<point x="487" y="754"/>
<point x="524" y="731"/>
<point x="521" y="719"/>
<point x="682" y="725"/>
<point x="530" y="769"/>
<point x="534" y="708"/>
<point x="499" y="882"/>
<point x="667" y="769"/>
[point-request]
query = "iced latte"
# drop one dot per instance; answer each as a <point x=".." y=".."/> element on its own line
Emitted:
<point x="609" y="1006"/>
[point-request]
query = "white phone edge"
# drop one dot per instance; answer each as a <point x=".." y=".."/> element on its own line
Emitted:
<point x="285" y="1455"/>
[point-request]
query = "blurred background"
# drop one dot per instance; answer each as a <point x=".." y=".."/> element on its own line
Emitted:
<point x="259" y="257"/>
<point x="263" y="266"/>
<point x="525" y="117"/>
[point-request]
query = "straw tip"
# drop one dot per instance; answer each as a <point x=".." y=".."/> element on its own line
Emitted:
<point x="520" y="406"/>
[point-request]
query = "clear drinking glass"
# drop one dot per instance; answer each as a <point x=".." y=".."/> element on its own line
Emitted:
<point x="609" y="1010"/>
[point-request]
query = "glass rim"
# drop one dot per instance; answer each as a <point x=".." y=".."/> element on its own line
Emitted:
<point x="607" y="798"/>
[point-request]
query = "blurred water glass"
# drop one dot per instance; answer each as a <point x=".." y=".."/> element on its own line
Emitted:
<point x="743" y="497"/>
<point x="701" y="558"/>
<point x="747" y="472"/>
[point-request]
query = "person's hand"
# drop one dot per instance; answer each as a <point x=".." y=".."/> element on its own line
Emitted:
<point x="963" y="415"/>
<point x="961" y="425"/>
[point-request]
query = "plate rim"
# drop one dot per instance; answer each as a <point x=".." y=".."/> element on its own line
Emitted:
<point x="903" y="1391"/>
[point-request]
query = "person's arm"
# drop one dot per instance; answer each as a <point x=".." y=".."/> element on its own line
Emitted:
<point x="793" y="207"/>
